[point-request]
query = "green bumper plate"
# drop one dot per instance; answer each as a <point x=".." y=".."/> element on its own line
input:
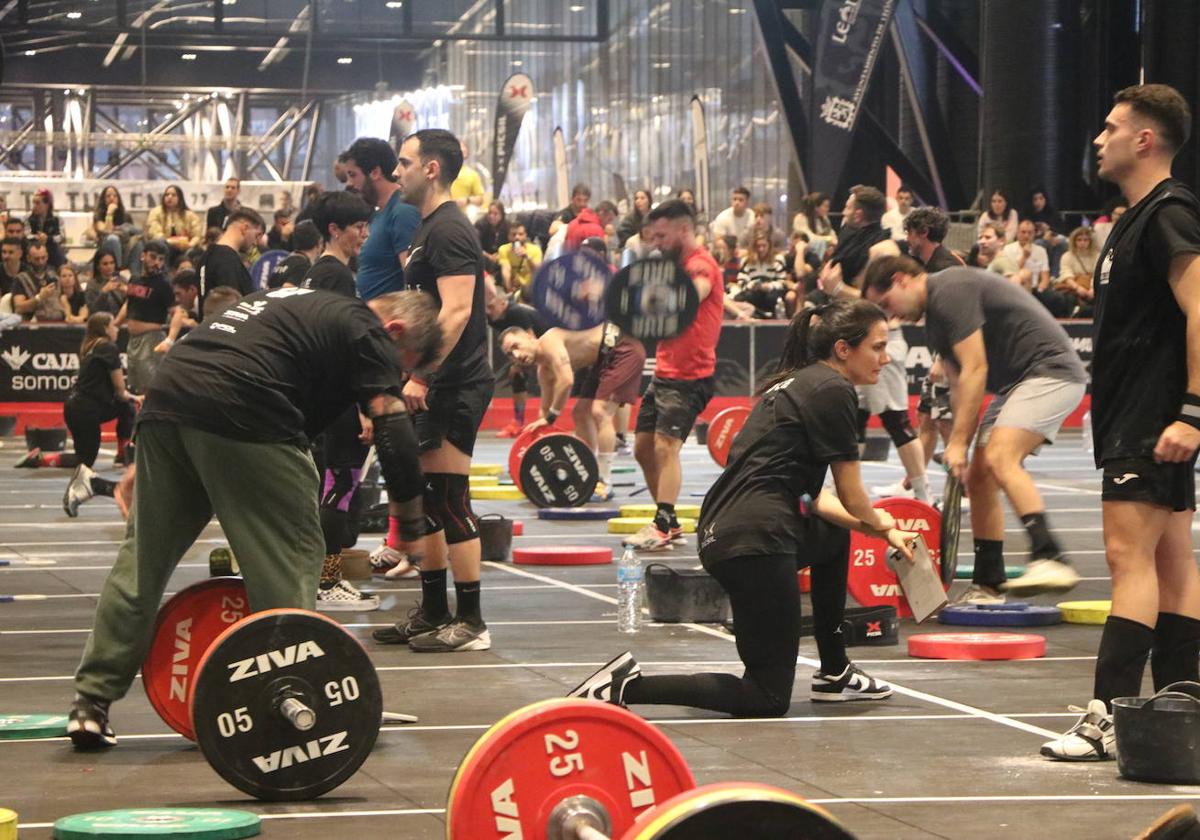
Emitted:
<point x="189" y="823"/>
<point x="965" y="572"/>
<point x="32" y="726"/>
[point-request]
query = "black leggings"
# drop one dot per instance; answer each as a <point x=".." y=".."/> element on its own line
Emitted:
<point x="83" y="418"/>
<point x="765" y="597"/>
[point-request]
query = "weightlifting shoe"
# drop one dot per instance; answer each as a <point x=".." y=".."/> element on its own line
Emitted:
<point x="458" y="635"/>
<point x="510" y="431"/>
<point x="87" y="725"/>
<point x="851" y="684"/>
<point x="897" y="490"/>
<point x="979" y="596"/>
<point x="392" y="564"/>
<point x="649" y="538"/>
<point x="1041" y="576"/>
<point x="343" y="596"/>
<point x="401" y="633"/>
<point x="1092" y="738"/>
<point x="608" y="684"/>
<point x="79" y="490"/>
<point x="32" y="460"/>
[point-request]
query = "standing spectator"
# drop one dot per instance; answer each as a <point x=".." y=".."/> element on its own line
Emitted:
<point x="737" y="218"/>
<point x="762" y="226"/>
<point x="1049" y="226"/>
<point x="762" y="281"/>
<point x="45" y="228"/>
<point x="632" y="223"/>
<point x="106" y="290"/>
<point x="467" y="188"/>
<point x="216" y="216"/>
<point x="519" y="259"/>
<point x="222" y="263"/>
<point x="1031" y="260"/>
<point x="1076" y="270"/>
<point x="370" y="171"/>
<point x="114" y="229"/>
<point x="1001" y="211"/>
<point x="173" y="221"/>
<point x="70" y="296"/>
<point x="493" y="232"/>
<point x="148" y="300"/>
<point x="813" y="221"/>
<point x="893" y="220"/>
<point x="307" y="244"/>
<point x="279" y="237"/>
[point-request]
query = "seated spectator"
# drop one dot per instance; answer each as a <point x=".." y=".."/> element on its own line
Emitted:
<point x="803" y="270"/>
<point x="492" y="228"/>
<point x="763" y="215"/>
<point x="216" y="215"/>
<point x="925" y="229"/>
<point x="186" y="312"/>
<point x="12" y="262"/>
<point x="173" y="221"/>
<point x="44" y="227"/>
<point x="71" y="296"/>
<point x="987" y="250"/>
<point x="519" y="259"/>
<point x="114" y="230"/>
<point x="1105" y="223"/>
<point x="638" y="246"/>
<point x="1001" y="211"/>
<point x="107" y="288"/>
<point x="737" y="218"/>
<point x="1076" y="272"/>
<point x="181" y="262"/>
<point x="762" y="282"/>
<point x="813" y="222"/>
<point x="631" y="224"/>
<point x="279" y="237"/>
<point x="581" y="197"/>
<point x="1031" y="260"/>
<point x="35" y="290"/>
<point x="1049" y="226"/>
<point x="586" y="224"/>
<point x="14" y="228"/>
<point x="894" y="218"/>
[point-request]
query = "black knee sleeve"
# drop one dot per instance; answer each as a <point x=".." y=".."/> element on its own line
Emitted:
<point x="898" y="426"/>
<point x="863" y="416"/>
<point x="448" y="504"/>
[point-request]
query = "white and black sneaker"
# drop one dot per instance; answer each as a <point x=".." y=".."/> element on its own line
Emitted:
<point x="1041" y="576"/>
<point x="851" y="684"/>
<point x="456" y="636"/>
<point x="87" y="724"/>
<point x="1092" y="738"/>
<point x="608" y="684"/>
<point x="343" y="596"/>
<point x="79" y="490"/>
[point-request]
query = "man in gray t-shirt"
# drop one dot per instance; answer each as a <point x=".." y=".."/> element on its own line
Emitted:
<point x="995" y="338"/>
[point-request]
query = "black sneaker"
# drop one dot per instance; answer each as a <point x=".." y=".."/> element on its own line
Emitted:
<point x="608" y="684"/>
<point x="32" y="460"/>
<point x="88" y="726"/>
<point x="851" y="684"/>
<point x="402" y="633"/>
<point x="456" y="636"/>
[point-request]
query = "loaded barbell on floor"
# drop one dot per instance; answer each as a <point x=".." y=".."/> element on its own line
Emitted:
<point x="583" y="770"/>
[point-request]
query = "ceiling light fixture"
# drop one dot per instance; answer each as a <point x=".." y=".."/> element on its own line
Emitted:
<point x="74" y="15"/>
<point x="31" y="52"/>
<point x="345" y="59"/>
<point x="394" y="4"/>
<point x="577" y="8"/>
<point x="188" y="56"/>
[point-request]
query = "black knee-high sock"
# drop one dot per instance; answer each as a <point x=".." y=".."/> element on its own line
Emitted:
<point x="1176" y="654"/>
<point x="467" y="608"/>
<point x="1042" y="544"/>
<point x="434" y="604"/>
<point x="989" y="563"/>
<point x="1121" y="661"/>
<point x="740" y="697"/>
<point x="829" y="609"/>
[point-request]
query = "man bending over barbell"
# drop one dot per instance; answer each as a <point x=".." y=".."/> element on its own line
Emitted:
<point x="601" y="367"/>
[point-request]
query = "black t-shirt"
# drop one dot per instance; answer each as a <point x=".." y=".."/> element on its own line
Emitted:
<point x="150" y="299"/>
<point x="291" y="270"/>
<point x="793" y="433"/>
<point x="941" y="259"/>
<point x="445" y="245"/>
<point x="1139" y="348"/>
<point x="278" y="366"/>
<point x="854" y="248"/>
<point x="330" y="274"/>
<point x="95" y="373"/>
<point x="519" y="315"/>
<point x="222" y="266"/>
<point x="77" y="301"/>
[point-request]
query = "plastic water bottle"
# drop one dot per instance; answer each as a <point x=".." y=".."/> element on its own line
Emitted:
<point x="629" y="591"/>
<point x="1087" y="432"/>
<point x="780" y="309"/>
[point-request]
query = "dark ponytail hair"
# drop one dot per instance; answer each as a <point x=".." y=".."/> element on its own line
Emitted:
<point x="814" y="332"/>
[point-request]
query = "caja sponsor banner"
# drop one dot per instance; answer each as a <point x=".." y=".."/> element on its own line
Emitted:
<point x="40" y="363"/>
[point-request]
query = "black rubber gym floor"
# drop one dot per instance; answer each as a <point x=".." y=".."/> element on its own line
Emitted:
<point x="953" y="754"/>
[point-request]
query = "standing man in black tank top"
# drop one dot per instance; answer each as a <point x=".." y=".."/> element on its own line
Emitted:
<point x="448" y="398"/>
<point x="1145" y="413"/>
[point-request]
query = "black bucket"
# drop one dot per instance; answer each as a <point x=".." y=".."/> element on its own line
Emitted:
<point x="8" y="422"/>
<point x="495" y="537"/>
<point x="47" y="440"/>
<point x="688" y="596"/>
<point x="1158" y="738"/>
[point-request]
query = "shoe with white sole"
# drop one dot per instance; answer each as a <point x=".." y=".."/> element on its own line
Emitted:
<point x="897" y="490"/>
<point x="649" y="538"/>
<point x="343" y="596"/>
<point x="1043" y="576"/>
<point x="456" y="636"/>
<point x="851" y="684"/>
<point x="392" y="564"/>
<point x="979" y="596"/>
<point x="1092" y="738"/>
<point x="608" y="683"/>
<point x="87" y="725"/>
<point x="79" y="490"/>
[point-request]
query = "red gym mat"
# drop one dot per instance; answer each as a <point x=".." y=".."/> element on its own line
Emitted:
<point x="977" y="646"/>
<point x="562" y="555"/>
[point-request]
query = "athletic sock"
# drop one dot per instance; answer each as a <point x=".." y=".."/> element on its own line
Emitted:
<point x="664" y="517"/>
<point x="468" y="603"/>
<point x="920" y="487"/>
<point x="1042" y="545"/>
<point x="102" y="486"/>
<point x="989" y="563"/>
<point x="1176" y="654"/>
<point x="393" y="537"/>
<point x="1121" y="661"/>
<point x="519" y="413"/>
<point x="605" y="459"/>
<point x="331" y="570"/>
<point x="434" y="604"/>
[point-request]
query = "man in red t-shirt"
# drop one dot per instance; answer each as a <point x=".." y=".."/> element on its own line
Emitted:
<point x="683" y="375"/>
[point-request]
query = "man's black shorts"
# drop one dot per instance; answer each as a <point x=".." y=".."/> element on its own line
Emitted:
<point x="455" y="414"/>
<point x="1172" y="486"/>
<point x="671" y="406"/>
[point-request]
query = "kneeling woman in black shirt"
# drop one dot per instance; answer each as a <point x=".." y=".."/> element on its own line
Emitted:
<point x="754" y="533"/>
<point x="98" y="396"/>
